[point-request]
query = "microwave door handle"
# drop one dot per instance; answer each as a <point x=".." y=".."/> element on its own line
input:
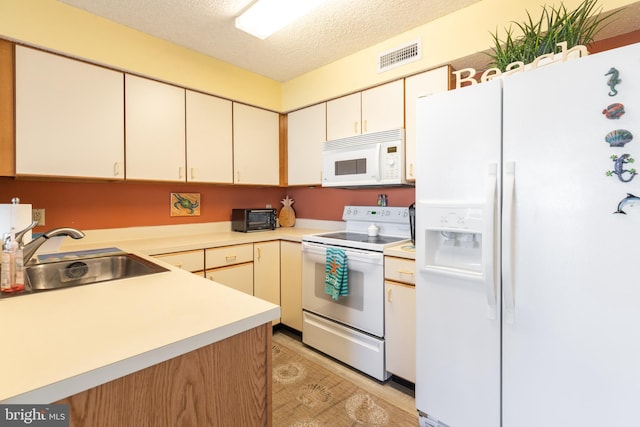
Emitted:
<point x="378" y="156"/>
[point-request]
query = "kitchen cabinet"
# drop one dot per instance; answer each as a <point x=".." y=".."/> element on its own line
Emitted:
<point x="266" y="271"/>
<point x="237" y="276"/>
<point x="291" y="284"/>
<point x="306" y="131"/>
<point x="7" y="111"/>
<point x="209" y="138"/>
<point x="69" y="117"/>
<point x="192" y="261"/>
<point x="232" y="376"/>
<point x="256" y="145"/>
<point x="423" y="84"/>
<point x="400" y="317"/>
<point x="155" y="130"/>
<point x="231" y="266"/>
<point x="343" y="117"/>
<point x="373" y="110"/>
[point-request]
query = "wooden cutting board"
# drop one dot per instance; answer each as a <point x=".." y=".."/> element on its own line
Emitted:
<point x="287" y="217"/>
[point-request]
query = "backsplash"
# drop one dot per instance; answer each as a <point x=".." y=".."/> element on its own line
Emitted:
<point x="101" y="205"/>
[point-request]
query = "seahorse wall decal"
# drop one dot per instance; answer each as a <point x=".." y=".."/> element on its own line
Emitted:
<point x="619" y="170"/>
<point x="613" y="80"/>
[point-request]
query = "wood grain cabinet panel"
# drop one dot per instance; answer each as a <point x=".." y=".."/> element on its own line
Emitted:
<point x="227" y="383"/>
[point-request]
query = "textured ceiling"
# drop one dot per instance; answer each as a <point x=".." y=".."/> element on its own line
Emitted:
<point x="332" y="31"/>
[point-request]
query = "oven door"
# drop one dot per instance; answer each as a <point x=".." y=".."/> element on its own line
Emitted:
<point x="363" y="308"/>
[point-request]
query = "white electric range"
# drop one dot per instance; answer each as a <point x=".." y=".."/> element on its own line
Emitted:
<point x="351" y="328"/>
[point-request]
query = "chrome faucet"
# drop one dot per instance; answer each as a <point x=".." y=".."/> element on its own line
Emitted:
<point x="30" y="248"/>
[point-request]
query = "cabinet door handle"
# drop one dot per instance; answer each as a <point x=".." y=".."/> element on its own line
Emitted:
<point x="259" y="253"/>
<point x="405" y="272"/>
<point x="230" y="258"/>
<point x="116" y="169"/>
<point x="411" y="170"/>
<point x="180" y="171"/>
<point x="193" y="173"/>
<point x="364" y="125"/>
<point x="355" y="127"/>
<point x="238" y="176"/>
<point x="388" y="294"/>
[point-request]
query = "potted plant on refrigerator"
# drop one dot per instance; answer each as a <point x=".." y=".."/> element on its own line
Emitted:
<point x="540" y="36"/>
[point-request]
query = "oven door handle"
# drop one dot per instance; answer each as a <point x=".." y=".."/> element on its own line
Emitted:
<point x="354" y="255"/>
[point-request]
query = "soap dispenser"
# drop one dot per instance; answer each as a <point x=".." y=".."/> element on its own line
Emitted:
<point x="12" y="274"/>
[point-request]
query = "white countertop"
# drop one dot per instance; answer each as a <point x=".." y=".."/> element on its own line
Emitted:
<point x="59" y="343"/>
<point x="62" y="342"/>
<point x="403" y="250"/>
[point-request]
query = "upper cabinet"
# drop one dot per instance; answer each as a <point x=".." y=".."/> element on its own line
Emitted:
<point x="256" y="145"/>
<point x="155" y="131"/>
<point x="422" y="84"/>
<point x="69" y="117"/>
<point x="373" y="110"/>
<point x="306" y="131"/>
<point x="209" y="138"/>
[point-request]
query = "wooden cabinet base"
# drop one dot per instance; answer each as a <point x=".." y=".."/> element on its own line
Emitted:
<point x="227" y="383"/>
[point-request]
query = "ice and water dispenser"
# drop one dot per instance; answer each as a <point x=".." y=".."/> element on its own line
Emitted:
<point x="453" y="241"/>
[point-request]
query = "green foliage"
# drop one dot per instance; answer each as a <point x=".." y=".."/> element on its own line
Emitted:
<point x="539" y="37"/>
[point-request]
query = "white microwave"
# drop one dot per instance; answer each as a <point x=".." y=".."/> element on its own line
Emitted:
<point x="374" y="159"/>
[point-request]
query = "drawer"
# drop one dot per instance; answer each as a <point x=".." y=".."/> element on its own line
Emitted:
<point x="228" y="255"/>
<point x="400" y="269"/>
<point x="190" y="261"/>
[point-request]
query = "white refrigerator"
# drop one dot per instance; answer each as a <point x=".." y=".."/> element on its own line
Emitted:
<point x="528" y="248"/>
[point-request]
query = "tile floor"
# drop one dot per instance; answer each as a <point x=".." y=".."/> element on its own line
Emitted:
<point x="393" y="391"/>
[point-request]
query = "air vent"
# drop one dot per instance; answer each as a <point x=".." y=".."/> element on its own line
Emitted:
<point x="398" y="56"/>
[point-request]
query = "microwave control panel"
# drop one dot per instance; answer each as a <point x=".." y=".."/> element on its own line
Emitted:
<point x="391" y="162"/>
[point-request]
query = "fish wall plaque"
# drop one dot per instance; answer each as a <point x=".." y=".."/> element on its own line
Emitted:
<point x="614" y="111"/>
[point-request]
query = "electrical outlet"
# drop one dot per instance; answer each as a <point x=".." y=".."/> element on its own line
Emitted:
<point x="38" y="215"/>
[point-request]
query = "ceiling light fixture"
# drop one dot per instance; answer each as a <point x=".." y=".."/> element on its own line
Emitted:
<point x="265" y="17"/>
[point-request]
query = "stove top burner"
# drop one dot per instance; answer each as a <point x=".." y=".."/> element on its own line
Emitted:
<point x="362" y="237"/>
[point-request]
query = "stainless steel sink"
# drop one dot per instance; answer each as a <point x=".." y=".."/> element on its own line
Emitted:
<point x="84" y="271"/>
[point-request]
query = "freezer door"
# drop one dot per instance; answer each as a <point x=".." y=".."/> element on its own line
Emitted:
<point x="457" y="290"/>
<point x="571" y="350"/>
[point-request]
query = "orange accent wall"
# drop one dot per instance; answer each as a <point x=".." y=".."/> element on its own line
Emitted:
<point x="98" y="205"/>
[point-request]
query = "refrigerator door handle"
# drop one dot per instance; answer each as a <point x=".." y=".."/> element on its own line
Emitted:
<point x="488" y="239"/>
<point x="507" y="232"/>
